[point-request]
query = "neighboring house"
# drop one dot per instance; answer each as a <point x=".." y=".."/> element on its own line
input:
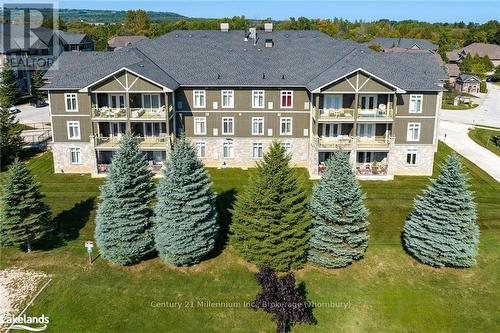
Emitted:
<point x="119" y="42"/>
<point x="467" y="83"/>
<point x="453" y="72"/>
<point x="481" y="49"/>
<point x="27" y="48"/>
<point x="403" y="44"/>
<point x="232" y="95"/>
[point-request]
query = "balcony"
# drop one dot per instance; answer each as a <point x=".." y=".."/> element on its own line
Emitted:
<point x="148" y="113"/>
<point x="380" y="142"/>
<point x="338" y="142"/>
<point x="371" y="169"/>
<point x="336" y="114"/>
<point x="158" y="142"/>
<point x="379" y="114"/>
<point x="153" y="166"/>
<point x="109" y="113"/>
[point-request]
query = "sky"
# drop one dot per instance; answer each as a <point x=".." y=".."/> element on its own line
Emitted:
<point x="423" y="10"/>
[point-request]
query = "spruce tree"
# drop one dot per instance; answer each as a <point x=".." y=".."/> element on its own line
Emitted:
<point x="185" y="223"/>
<point x="11" y="142"/>
<point x="9" y="89"/>
<point x="36" y="85"/>
<point x="442" y="229"/>
<point x="123" y="226"/>
<point x="339" y="234"/>
<point x="270" y="217"/>
<point x="24" y="216"/>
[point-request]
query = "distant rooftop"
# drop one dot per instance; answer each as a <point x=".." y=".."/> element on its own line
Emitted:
<point x="404" y="43"/>
<point x="119" y="42"/>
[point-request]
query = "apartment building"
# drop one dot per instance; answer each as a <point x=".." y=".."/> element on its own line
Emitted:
<point x="233" y="92"/>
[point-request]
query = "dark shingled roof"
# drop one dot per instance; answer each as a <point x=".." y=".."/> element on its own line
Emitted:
<point x="405" y="43"/>
<point x="212" y="58"/>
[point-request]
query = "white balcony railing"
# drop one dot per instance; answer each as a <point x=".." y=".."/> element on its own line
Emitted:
<point x="143" y="142"/>
<point x="336" y="113"/>
<point x="109" y="113"/>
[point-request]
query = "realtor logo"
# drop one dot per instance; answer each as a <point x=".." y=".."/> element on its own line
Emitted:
<point x="26" y="323"/>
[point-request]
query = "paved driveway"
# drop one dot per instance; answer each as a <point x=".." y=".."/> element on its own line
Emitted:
<point x="30" y="114"/>
<point x="487" y="113"/>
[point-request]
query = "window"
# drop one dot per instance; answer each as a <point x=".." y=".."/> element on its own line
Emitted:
<point x="330" y="130"/>
<point x="227" y="125"/>
<point x="287" y="146"/>
<point x="368" y="102"/>
<point x="227" y="98"/>
<point x="413" y="133"/>
<point x="201" y="149"/>
<point x="179" y="105"/>
<point x="257" y="126"/>
<point x="228" y="149"/>
<point x="411" y="156"/>
<point x="73" y="130"/>
<point x="257" y="150"/>
<point x="71" y="102"/>
<point x="150" y="101"/>
<point x="286" y="98"/>
<point x="332" y="102"/>
<point x="199" y="98"/>
<point x="416" y="103"/>
<point x="200" y="125"/>
<point x="258" y="99"/>
<point x="286" y="126"/>
<point x="75" y="155"/>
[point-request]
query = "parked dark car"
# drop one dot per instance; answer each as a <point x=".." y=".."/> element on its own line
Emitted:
<point x="38" y="103"/>
<point x="491" y="78"/>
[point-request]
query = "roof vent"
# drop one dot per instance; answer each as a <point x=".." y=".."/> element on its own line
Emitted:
<point x="268" y="27"/>
<point x="269" y="42"/>
<point x="253" y="35"/>
<point x="224" y="27"/>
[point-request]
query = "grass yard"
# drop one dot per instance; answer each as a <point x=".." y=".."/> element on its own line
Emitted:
<point x="387" y="291"/>
<point x="458" y="107"/>
<point x="483" y="137"/>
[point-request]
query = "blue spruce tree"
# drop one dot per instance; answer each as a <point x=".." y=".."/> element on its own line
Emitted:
<point x="442" y="229"/>
<point x="123" y="228"/>
<point x="185" y="224"/>
<point x="339" y="234"/>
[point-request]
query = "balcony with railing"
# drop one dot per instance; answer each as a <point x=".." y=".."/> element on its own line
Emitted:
<point x="341" y="114"/>
<point x="148" y="113"/>
<point x="382" y="113"/>
<point x="382" y="142"/>
<point x="106" y="112"/>
<point x="371" y="169"/>
<point x="338" y="142"/>
<point x="159" y="142"/>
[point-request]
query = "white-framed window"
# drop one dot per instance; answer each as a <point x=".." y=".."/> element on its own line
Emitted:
<point x="71" y="102"/>
<point x="258" y="99"/>
<point x="413" y="133"/>
<point x="227" y="125"/>
<point x="227" y="97"/>
<point x="73" y="130"/>
<point x="199" y="98"/>
<point x="75" y="156"/>
<point x="257" y="150"/>
<point x="411" y="156"/>
<point x="151" y="101"/>
<point x="286" y="99"/>
<point x="286" y="126"/>
<point x="228" y="149"/>
<point x="201" y="149"/>
<point x="287" y="146"/>
<point x="200" y="125"/>
<point x="416" y="103"/>
<point x="257" y="125"/>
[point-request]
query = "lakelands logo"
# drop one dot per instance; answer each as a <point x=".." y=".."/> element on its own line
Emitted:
<point x="33" y="324"/>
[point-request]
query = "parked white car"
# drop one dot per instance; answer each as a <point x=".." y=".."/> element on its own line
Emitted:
<point x="14" y="109"/>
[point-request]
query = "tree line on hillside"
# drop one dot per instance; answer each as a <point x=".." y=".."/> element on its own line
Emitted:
<point x="448" y="36"/>
<point x="274" y="224"/>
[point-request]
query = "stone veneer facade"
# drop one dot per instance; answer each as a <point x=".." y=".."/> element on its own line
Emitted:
<point x="424" y="161"/>
<point x="62" y="161"/>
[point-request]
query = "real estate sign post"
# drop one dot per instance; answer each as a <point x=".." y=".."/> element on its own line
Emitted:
<point x="89" y="245"/>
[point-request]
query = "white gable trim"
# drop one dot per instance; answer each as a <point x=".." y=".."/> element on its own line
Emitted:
<point x="398" y="90"/>
<point x="112" y="75"/>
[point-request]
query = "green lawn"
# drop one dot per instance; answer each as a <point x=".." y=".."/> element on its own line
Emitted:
<point x="458" y="107"/>
<point x="388" y="291"/>
<point x="483" y="137"/>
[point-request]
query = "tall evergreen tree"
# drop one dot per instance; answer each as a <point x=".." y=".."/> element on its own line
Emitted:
<point x="123" y="226"/>
<point x="9" y="89"/>
<point x="11" y="142"/>
<point x="36" y="85"/>
<point x="185" y="224"/>
<point x="270" y="217"/>
<point x="442" y="229"/>
<point x="339" y="234"/>
<point x="24" y="216"/>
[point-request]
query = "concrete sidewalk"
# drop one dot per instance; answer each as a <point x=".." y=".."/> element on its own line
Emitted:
<point x="458" y="139"/>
